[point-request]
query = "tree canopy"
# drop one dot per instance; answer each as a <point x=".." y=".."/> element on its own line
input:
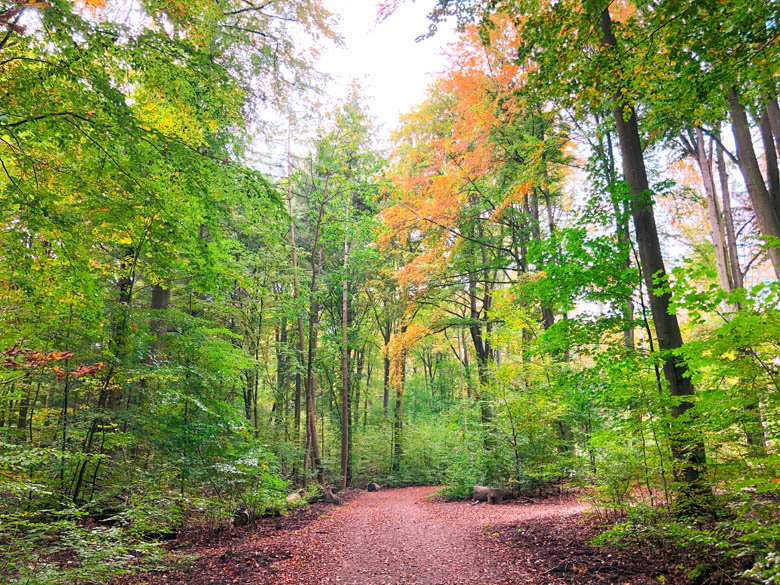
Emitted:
<point x="564" y="265"/>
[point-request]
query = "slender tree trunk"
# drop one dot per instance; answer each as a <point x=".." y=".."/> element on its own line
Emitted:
<point x="728" y="220"/>
<point x="366" y="404"/>
<point x="23" y="405"/>
<point x="481" y="345"/>
<point x="311" y="422"/>
<point x="281" y="372"/>
<point x="386" y="333"/>
<point x="125" y="286"/>
<point x="462" y="347"/>
<point x="345" y="419"/>
<point x="314" y="311"/>
<point x="714" y="217"/>
<point x="754" y="431"/>
<point x="770" y="157"/>
<point x="483" y="354"/>
<point x="158" y="325"/>
<point x="85" y="449"/>
<point x="773" y="113"/>
<point x="296" y="290"/>
<point x="725" y="253"/>
<point x="247" y="394"/>
<point x="253" y="381"/>
<point x="297" y="397"/>
<point x="548" y="318"/>
<point x="760" y="197"/>
<point x="398" y="423"/>
<point x="360" y="358"/>
<point x="688" y="450"/>
<point x="622" y="230"/>
<point x="624" y="237"/>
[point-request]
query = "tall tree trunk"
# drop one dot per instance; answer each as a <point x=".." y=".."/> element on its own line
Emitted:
<point x="386" y="333"/>
<point x="158" y="325"/>
<point x="311" y="422"/>
<point x="247" y="392"/>
<point x="366" y="404"/>
<point x="125" y="286"/>
<point x="481" y="345"/>
<point x="760" y="198"/>
<point x="23" y="405"/>
<point x="298" y="393"/>
<point x="688" y="450"/>
<point x="398" y="422"/>
<point x="548" y="318"/>
<point x="483" y="354"/>
<point x="717" y="231"/>
<point x="345" y="418"/>
<point x="754" y="431"/>
<point x="296" y="290"/>
<point x="463" y="348"/>
<point x="282" y="368"/>
<point x="624" y="237"/>
<point x="770" y="157"/>
<point x="728" y="220"/>
<point x="773" y="113"/>
<point x="360" y="359"/>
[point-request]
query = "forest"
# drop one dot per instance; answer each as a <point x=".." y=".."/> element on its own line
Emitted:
<point x="560" y="273"/>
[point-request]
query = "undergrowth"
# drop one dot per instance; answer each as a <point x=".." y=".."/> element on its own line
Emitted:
<point x="737" y="541"/>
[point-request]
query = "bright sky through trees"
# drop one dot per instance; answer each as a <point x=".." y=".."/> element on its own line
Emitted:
<point x="393" y="69"/>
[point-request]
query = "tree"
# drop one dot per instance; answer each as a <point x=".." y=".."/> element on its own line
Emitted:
<point x="340" y="185"/>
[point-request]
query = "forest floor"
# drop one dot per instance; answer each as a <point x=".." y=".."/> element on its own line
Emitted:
<point x="402" y="537"/>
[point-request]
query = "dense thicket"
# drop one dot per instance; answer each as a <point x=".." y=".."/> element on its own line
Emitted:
<point x="564" y="271"/>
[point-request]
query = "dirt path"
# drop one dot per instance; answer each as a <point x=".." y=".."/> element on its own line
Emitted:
<point x="398" y="537"/>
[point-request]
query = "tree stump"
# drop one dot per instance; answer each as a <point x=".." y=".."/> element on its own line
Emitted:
<point x="241" y="516"/>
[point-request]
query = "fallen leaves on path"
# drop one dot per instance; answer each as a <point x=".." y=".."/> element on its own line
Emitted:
<point x="400" y="537"/>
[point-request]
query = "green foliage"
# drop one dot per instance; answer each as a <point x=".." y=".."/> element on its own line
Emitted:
<point x="741" y="541"/>
<point x="463" y="473"/>
<point x="130" y="239"/>
<point x="58" y="548"/>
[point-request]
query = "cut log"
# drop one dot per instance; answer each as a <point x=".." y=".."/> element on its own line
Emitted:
<point x="328" y="496"/>
<point x="491" y="495"/>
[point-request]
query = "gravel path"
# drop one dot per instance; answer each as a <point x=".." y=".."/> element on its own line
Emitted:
<point x="399" y="537"/>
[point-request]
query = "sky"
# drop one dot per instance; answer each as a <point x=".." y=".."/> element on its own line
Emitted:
<point x="393" y="69"/>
